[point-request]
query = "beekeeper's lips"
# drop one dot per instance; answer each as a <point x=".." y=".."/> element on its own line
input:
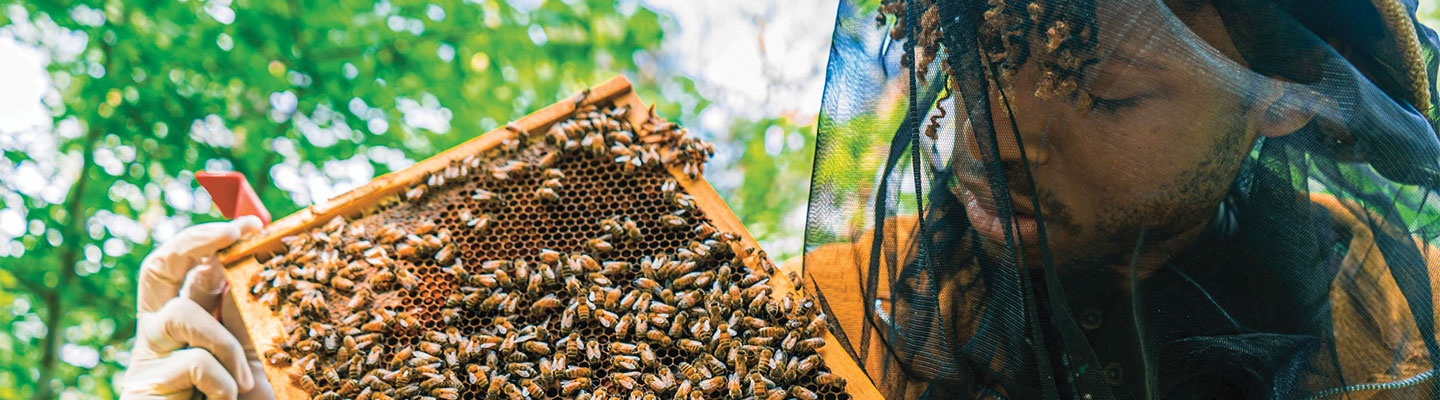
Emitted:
<point x="980" y="207"/>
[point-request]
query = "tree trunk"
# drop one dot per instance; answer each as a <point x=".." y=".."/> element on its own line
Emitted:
<point x="69" y="254"/>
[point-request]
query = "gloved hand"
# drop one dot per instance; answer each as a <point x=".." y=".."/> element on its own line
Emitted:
<point x="179" y="345"/>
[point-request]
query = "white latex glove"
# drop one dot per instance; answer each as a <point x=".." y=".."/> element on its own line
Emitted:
<point x="179" y="345"/>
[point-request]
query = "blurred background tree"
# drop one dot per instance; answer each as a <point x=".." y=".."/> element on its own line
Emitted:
<point x="311" y="99"/>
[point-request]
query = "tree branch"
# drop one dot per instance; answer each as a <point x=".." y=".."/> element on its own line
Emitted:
<point x="74" y="232"/>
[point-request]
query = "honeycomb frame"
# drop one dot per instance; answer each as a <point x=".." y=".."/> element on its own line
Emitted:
<point x="244" y="259"/>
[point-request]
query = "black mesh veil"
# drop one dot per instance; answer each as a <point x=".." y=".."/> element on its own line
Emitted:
<point x="1130" y="199"/>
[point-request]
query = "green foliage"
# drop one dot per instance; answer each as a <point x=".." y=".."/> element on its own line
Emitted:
<point x="289" y="93"/>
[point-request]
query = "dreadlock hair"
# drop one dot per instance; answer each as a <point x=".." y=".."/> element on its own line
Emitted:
<point x="1069" y="29"/>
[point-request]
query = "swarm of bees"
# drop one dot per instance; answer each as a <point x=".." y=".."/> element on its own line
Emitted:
<point x="443" y="296"/>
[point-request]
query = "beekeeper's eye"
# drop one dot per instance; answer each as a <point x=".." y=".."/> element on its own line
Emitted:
<point x="1111" y="106"/>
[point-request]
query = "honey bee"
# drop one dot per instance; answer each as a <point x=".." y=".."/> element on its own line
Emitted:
<point x="573" y="346"/>
<point x="599" y="279"/>
<point x="712" y="363"/>
<point x="611" y="226"/>
<point x="549" y="302"/>
<point x="552" y="183"/>
<point x="518" y="132"/>
<point x="757" y="303"/>
<point x="813" y="343"/>
<point x="647" y="355"/>
<point x="673" y="221"/>
<point x="823" y="378"/>
<point x="278" y="357"/>
<point x="701" y="328"/>
<point x="736" y="389"/>
<point x="658" y="337"/>
<point x="711" y="385"/>
<point x="805" y="366"/>
<point x="800" y="392"/>
<point x="583" y="309"/>
<point x="577" y="372"/>
<point x="622" y="327"/>
<point x="623" y="348"/>
<point x="556" y="135"/>
<point x="751" y="279"/>
<point x="662" y="308"/>
<point x="359" y="247"/>
<point x="683" y="201"/>
<point x="408" y="391"/>
<point x="485" y="197"/>
<point x="536" y="347"/>
<point x="629" y="363"/>
<point x="647" y="284"/>
<point x="607" y="319"/>
<point x="773" y="308"/>
<point x="549" y="159"/>
<point x="406" y="278"/>
<point x="314" y="304"/>
<point x="373" y="381"/>
<point x="611" y="300"/>
<point x="446" y="393"/>
<point x="487" y="281"/>
<point x="548" y="370"/>
<point x="586" y="263"/>
<point x="657" y="383"/>
<point x="600" y="245"/>
<point x="502" y="278"/>
<point x="522" y="369"/>
<point x="446" y="255"/>
<point x="547" y="194"/>
<point x="494" y="265"/>
<point x="628" y="301"/>
<point x="480" y="224"/>
<point x="785" y="371"/>
<point x="623" y="380"/>
<point x="758" y="387"/>
<point x="415" y="193"/>
<point x="494" y="301"/>
<point x="690" y="345"/>
<point x="642" y="324"/>
<point x="571" y="386"/>
<point x="595" y="143"/>
<point x="723" y="335"/>
<point x="497" y="385"/>
<point x="619" y="150"/>
<point x="762" y="363"/>
<point x="816" y="326"/>
<point x="432" y="380"/>
<point x="592" y="351"/>
<point x="689" y="299"/>
<point x="670" y="187"/>
<point x="474" y="300"/>
<point x="424" y="227"/>
<point x="628" y="163"/>
<point x="752" y="322"/>
<point x="532" y="388"/>
<point x="304" y="382"/>
<point x="631" y="230"/>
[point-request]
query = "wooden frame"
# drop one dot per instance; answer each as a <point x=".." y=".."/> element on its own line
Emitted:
<point x="242" y="259"/>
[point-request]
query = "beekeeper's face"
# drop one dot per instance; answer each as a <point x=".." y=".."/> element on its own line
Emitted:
<point x="1154" y="156"/>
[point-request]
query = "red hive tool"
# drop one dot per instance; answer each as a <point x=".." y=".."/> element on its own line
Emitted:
<point x="233" y="195"/>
